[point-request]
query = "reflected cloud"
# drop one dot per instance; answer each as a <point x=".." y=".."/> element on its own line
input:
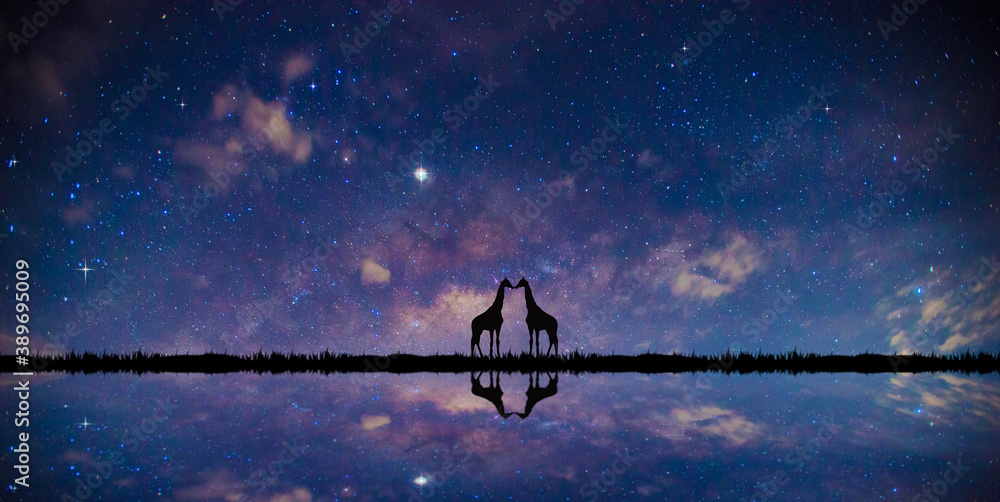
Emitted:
<point x="715" y="421"/>
<point x="946" y="399"/>
<point x="446" y="395"/>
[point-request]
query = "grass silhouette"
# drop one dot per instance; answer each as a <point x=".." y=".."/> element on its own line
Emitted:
<point x="794" y="362"/>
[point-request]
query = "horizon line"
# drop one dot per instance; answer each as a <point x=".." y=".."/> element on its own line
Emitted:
<point x="728" y="362"/>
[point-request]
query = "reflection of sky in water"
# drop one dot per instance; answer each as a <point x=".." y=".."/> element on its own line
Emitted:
<point x="255" y="200"/>
<point x="679" y="437"/>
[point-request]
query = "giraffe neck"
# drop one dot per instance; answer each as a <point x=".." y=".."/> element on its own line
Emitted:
<point x="498" y="301"/>
<point x="529" y="298"/>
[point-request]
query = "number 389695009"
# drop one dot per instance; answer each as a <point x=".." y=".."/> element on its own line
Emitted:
<point x="21" y="307"/>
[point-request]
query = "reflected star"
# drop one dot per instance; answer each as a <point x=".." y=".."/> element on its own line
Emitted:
<point x="422" y="175"/>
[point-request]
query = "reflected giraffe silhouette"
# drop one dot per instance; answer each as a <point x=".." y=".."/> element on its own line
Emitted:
<point x="536" y="393"/>
<point x="492" y="393"/>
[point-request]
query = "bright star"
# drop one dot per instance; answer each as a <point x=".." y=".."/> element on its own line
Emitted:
<point x="421" y="174"/>
<point x="13" y="162"/>
<point x="85" y="270"/>
<point x="421" y="481"/>
<point x="182" y="104"/>
<point x="85" y="423"/>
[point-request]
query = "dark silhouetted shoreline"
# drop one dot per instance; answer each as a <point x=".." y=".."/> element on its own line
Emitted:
<point x="326" y="362"/>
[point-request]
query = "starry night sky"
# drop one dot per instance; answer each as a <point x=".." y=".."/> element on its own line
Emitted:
<point x="813" y="177"/>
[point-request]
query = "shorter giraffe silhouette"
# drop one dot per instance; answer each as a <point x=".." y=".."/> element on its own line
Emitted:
<point x="538" y="320"/>
<point x="491" y="320"/>
<point x="492" y="393"/>
<point x="536" y="393"/>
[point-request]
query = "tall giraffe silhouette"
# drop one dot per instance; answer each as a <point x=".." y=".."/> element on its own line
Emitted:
<point x="492" y="393"/>
<point x="537" y="321"/>
<point x="536" y="393"/>
<point x="491" y="320"/>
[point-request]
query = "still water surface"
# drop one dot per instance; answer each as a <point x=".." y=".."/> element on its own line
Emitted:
<point x="589" y="437"/>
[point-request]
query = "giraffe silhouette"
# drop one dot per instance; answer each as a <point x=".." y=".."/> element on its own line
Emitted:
<point x="536" y="393"/>
<point x="537" y="321"/>
<point x="493" y="393"/>
<point x="491" y="320"/>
